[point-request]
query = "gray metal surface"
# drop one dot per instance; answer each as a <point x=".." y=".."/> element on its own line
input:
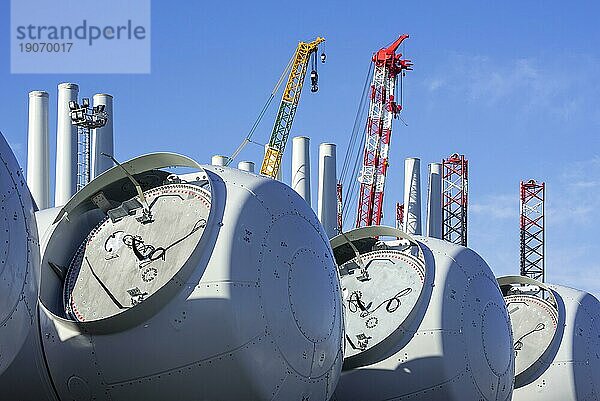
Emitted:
<point x="146" y="255"/>
<point x="458" y="346"/>
<point x="372" y="315"/>
<point x="569" y="368"/>
<point x="19" y="258"/>
<point x="22" y="373"/>
<point x="80" y="201"/>
<point x="254" y="313"/>
<point x="381" y="289"/>
<point x="533" y="312"/>
<point x="534" y="322"/>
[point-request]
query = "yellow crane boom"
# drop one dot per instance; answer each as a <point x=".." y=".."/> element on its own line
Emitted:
<point x="287" y="109"/>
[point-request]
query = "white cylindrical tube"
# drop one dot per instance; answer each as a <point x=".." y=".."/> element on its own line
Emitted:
<point x="66" y="146"/>
<point x="219" y="160"/>
<point x="246" y="166"/>
<point x="412" y="196"/>
<point x="434" y="201"/>
<point x="301" y="166"/>
<point x="327" y="196"/>
<point x="279" y="176"/>
<point x="38" y="155"/>
<point x="102" y="138"/>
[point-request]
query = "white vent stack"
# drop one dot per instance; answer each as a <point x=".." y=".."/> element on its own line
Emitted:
<point x="38" y="157"/>
<point x="218" y="160"/>
<point x="434" y="201"/>
<point x="66" y="146"/>
<point x="301" y="167"/>
<point x="102" y="138"/>
<point x="327" y="197"/>
<point x="412" y="196"/>
<point x="246" y="166"/>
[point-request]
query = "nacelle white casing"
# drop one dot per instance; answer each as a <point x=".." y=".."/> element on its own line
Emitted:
<point x="557" y="340"/>
<point x="249" y="309"/>
<point x="454" y="340"/>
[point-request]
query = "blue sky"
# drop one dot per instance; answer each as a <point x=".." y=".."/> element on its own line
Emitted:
<point x="512" y="85"/>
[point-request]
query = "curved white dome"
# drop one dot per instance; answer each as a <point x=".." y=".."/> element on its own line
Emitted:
<point x="216" y="285"/>
<point x="559" y="363"/>
<point x="455" y="344"/>
<point x="19" y="258"/>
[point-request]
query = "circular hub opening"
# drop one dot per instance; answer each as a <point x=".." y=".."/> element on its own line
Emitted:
<point x="135" y="251"/>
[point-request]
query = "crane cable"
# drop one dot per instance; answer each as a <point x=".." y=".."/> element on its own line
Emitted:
<point x="355" y="128"/>
<point x="352" y="179"/>
<point x="351" y="166"/>
<point x="402" y="73"/>
<point x="248" y="138"/>
<point x="350" y="158"/>
<point x="351" y="182"/>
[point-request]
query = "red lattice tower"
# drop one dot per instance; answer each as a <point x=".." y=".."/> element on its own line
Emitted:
<point x="455" y="199"/>
<point x="399" y="215"/>
<point x="383" y="108"/>
<point x="532" y="230"/>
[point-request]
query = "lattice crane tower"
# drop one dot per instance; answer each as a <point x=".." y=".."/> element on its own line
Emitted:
<point x="383" y="108"/>
<point x="455" y="191"/>
<point x="532" y="230"/>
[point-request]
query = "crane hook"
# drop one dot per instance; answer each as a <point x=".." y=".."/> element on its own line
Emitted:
<point x="314" y="81"/>
<point x="323" y="57"/>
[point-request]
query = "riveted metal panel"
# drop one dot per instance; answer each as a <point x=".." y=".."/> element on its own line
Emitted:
<point x="19" y="258"/>
<point x="568" y="368"/>
<point x="146" y="254"/>
<point x="245" y="324"/>
<point x="461" y="348"/>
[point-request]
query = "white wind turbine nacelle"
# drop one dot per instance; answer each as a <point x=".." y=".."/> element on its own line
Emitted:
<point x="19" y="262"/>
<point x="556" y="334"/>
<point x="425" y="320"/>
<point x="217" y="284"/>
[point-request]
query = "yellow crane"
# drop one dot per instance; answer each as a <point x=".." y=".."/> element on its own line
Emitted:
<point x="289" y="103"/>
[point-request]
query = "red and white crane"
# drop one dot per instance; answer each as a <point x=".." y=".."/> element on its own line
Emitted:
<point x="383" y="108"/>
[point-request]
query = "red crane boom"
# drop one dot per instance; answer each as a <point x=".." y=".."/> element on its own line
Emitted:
<point x="383" y="108"/>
